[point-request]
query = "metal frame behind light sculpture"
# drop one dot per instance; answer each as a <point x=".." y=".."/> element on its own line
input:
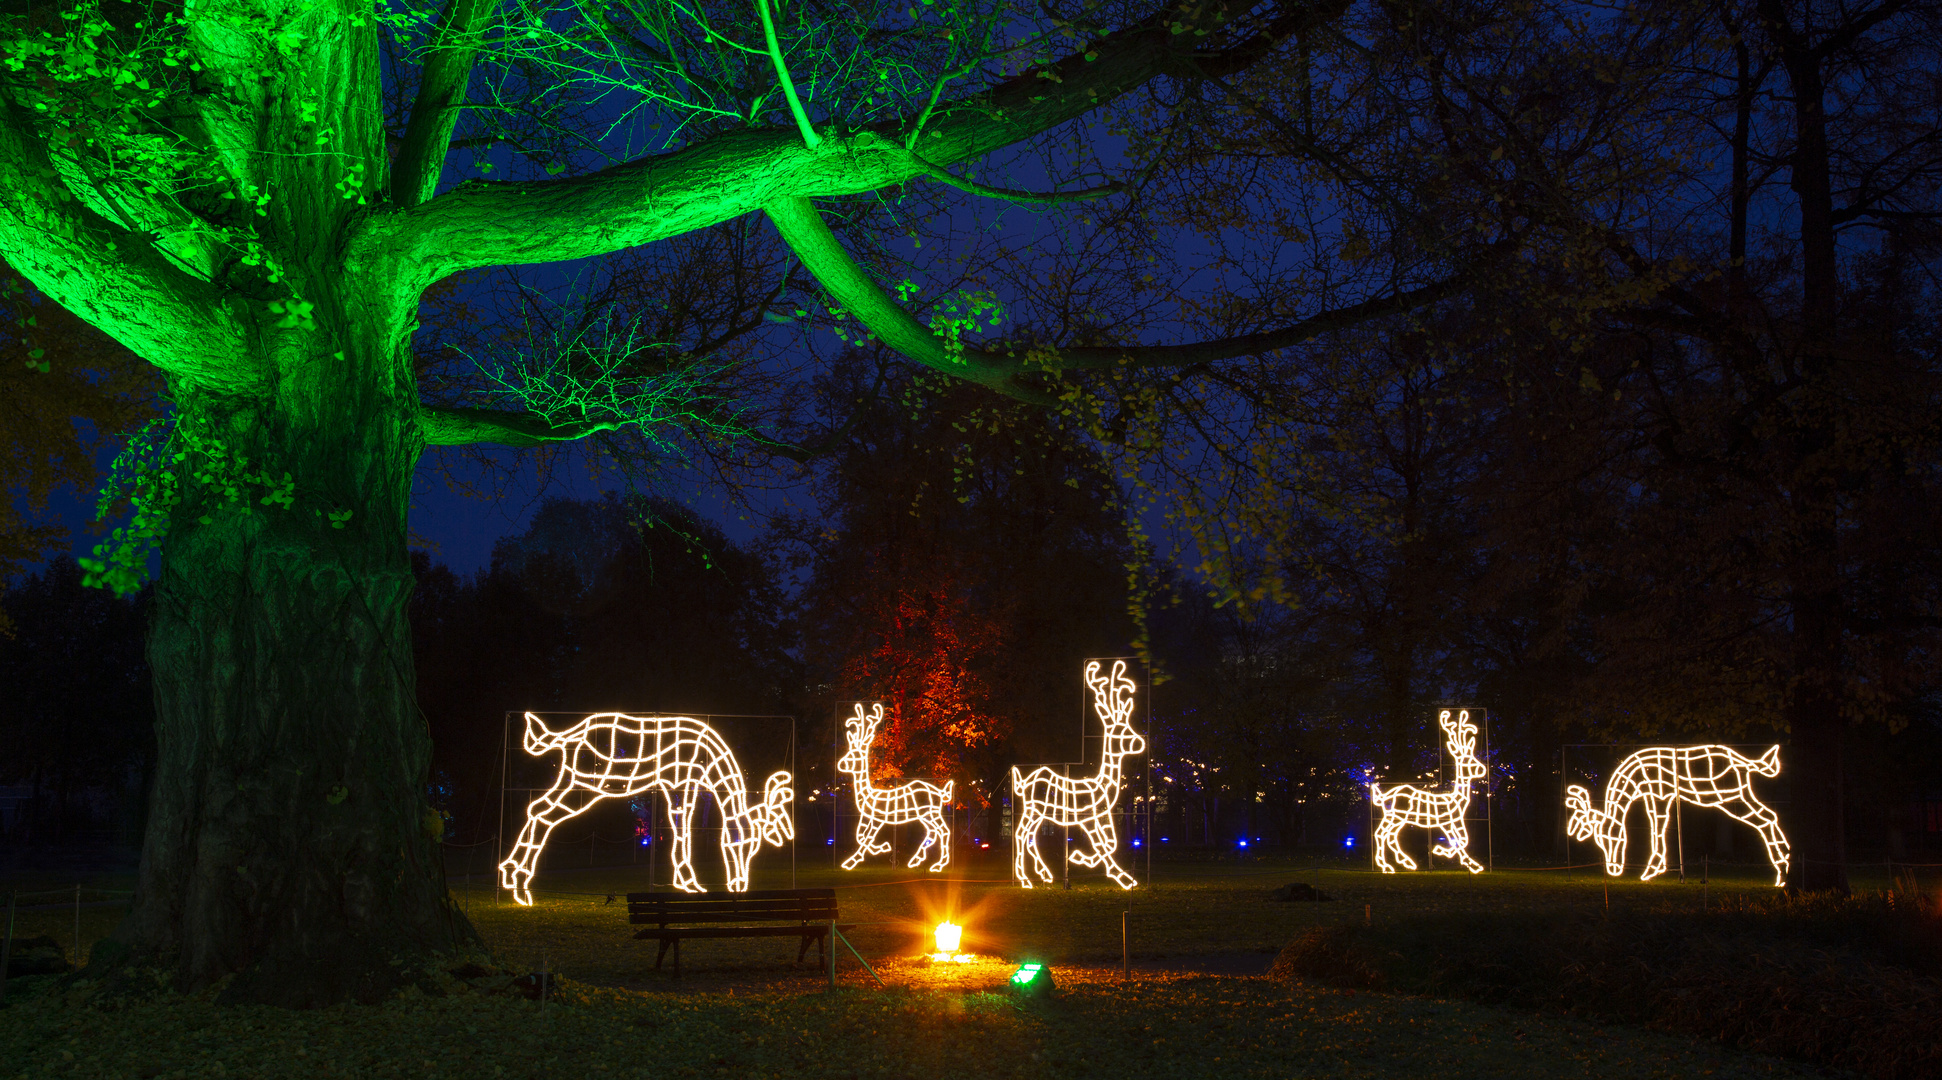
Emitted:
<point x="1713" y="776"/>
<point x="1047" y="798"/>
<point x="899" y="804"/>
<point x="1443" y="811"/>
<point x="614" y="755"/>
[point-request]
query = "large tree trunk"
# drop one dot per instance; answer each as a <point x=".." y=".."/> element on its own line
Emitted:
<point x="288" y="841"/>
<point x="1813" y="575"/>
<point x="1819" y="831"/>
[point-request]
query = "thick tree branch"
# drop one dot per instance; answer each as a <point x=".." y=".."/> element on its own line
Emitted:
<point x="504" y="223"/>
<point x="803" y="228"/>
<point x="447" y="426"/>
<point x="1035" y="198"/>
<point x="435" y="112"/>
<point x="111" y="277"/>
<point x="1267" y="341"/>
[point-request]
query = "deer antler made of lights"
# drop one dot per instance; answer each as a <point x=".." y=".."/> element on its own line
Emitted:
<point x="1443" y="811"/>
<point x="900" y="804"/>
<point x="1714" y="776"/>
<point x="614" y="755"/>
<point x="1048" y="798"/>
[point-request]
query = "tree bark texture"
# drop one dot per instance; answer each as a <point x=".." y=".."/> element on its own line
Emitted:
<point x="289" y="840"/>
<point x="1814" y="576"/>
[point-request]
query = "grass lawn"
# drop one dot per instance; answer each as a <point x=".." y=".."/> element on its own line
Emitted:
<point x="742" y="1010"/>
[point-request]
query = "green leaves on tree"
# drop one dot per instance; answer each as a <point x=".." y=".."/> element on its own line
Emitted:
<point x="165" y="465"/>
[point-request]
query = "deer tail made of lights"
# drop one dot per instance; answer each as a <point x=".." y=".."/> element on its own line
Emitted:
<point x="899" y="804"/>
<point x="1713" y="776"/>
<point x="614" y="755"/>
<point x="1440" y="810"/>
<point x="1049" y="798"/>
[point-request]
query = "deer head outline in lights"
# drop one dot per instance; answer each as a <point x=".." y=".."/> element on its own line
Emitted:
<point x="1406" y="804"/>
<point x="899" y="804"/>
<point x="1086" y="802"/>
<point x="614" y="755"/>
<point x="1714" y="776"/>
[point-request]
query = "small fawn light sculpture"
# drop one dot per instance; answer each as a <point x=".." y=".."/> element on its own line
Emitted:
<point x="899" y="804"/>
<point x="1713" y="776"/>
<point x="614" y="755"/>
<point x="1049" y="798"/>
<point x="1443" y="811"/>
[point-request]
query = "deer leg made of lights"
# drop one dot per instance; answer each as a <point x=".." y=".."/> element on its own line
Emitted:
<point x="1712" y="776"/>
<point x="614" y="755"/>
<point x="1442" y="811"/>
<point x="899" y="804"/>
<point x="1086" y="802"/>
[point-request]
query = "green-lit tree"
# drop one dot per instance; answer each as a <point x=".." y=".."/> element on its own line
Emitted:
<point x="254" y="195"/>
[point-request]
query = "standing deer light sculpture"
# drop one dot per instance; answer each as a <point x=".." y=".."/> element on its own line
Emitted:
<point x="1713" y="776"/>
<point x="614" y="755"/>
<point x="1443" y="811"/>
<point x="1049" y="798"/>
<point x="912" y="800"/>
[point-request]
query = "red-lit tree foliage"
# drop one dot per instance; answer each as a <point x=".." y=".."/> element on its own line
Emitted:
<point x="925" y="649"/>
<point x="977" y="556"/>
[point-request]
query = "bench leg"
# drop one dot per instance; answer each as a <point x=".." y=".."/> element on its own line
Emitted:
<point x="677" y="958"/>
<point x="659" y="956"/>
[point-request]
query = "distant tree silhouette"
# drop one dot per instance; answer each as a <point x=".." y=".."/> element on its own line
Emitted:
<point x="77" y="713"/>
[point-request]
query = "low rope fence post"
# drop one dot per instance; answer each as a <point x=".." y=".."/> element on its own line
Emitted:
<point x="853" y="952"/>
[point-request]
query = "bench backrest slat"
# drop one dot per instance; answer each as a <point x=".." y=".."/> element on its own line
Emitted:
<point x="772" y="905"/>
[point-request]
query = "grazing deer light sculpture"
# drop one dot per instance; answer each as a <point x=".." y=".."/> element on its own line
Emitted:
<point x="1085" y="801"/>
<point x="1713" y="776"/>
<point x="912" y="800"/>
<point x="1443" y="811"/>
<point x="614" y="755"/>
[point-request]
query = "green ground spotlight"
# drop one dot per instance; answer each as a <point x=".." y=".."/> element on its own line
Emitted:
<point x="1032" y="978"/>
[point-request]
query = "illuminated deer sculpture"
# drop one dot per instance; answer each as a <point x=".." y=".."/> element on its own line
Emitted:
<point x="901" y="804"/>
<point x="1443" y="811"/>
<point x="614" y="755"/>
<point x="1048" y="798"/>
<point x="1714" y="776"/>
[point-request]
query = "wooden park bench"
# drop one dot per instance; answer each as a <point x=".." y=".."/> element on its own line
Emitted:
<point x="807" y="914"/>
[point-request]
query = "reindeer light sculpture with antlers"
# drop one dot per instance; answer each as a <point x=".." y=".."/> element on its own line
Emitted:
<point x="900" y="804"/>
<point x="1713" y="776"/>
<point x="1049" y="798"/>
<point x="1443" y="811"/>
<point x="614" y="755"/>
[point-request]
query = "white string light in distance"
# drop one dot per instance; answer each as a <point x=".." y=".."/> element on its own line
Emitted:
<point x="614" y="755"/>
<point x="901" y="804"/>
<point x="1717" y="777"/>
<point x="1048" y="798"/>
<point x="1443" y="811"/>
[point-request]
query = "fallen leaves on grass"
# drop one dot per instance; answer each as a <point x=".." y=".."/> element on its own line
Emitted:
<point x="1096" y="1026"/>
